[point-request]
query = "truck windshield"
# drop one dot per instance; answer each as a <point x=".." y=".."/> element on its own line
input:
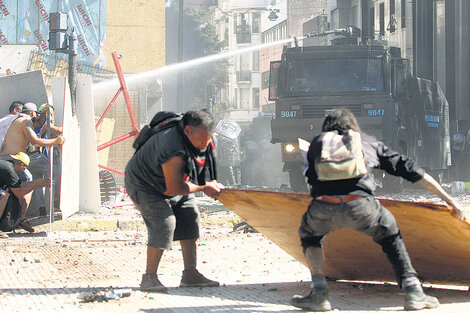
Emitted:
<point x="335" y="76"/>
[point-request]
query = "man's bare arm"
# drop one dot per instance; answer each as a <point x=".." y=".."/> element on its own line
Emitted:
<point x="173" y="171"/>
<point x="55" y="130"/>
<point x="430" y="184"/>
<point x="28" y="186"/>
<point x="35" y="140"/>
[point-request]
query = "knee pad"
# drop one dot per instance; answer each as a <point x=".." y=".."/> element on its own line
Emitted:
<point x="314" y="241"/>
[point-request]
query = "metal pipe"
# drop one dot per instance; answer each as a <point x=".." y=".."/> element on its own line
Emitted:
<point x="111" y="170"/>
<point x="127" y="99"/>
<point x="108" y="108"/>
<point x="116" y="140"/>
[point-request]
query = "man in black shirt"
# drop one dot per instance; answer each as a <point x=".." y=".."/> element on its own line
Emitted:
<point x="12" y="186"/>
<point x="339" y="160"/>
<point x="161" y="179"/>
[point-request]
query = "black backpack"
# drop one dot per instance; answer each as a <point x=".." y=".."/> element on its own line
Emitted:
<point x="162" y="120"/>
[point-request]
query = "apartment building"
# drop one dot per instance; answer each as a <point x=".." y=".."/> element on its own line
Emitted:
<point x="238" y="23"/>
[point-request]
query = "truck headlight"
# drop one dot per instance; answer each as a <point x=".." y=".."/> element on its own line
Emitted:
<point x="289" y="148"/>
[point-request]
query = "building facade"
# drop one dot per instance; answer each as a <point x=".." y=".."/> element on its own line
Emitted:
<point x="292" y="14"/>
<point x="271" y="30"/>
<point x="238" y="23"/>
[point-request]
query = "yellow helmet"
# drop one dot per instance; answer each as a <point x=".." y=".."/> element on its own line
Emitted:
<point x="21" y="156"/>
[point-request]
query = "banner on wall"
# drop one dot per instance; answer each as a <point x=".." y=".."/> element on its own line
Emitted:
<point x="27" y="22"/>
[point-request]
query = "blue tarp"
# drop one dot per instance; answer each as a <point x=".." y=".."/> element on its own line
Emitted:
<point x="27" y="22"/>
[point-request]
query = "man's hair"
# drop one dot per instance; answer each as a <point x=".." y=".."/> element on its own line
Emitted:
<point x="341" y="120"/>
<point x="202" y="118"/>
<point x="15" y="105"/>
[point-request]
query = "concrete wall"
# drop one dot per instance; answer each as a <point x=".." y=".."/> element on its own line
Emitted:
<point x="136" y="30"/>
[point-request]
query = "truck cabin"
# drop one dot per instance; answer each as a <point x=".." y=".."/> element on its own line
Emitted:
<point x="336" y="70"/>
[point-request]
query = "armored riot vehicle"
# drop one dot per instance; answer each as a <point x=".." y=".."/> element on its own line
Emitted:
<point x="408" y="113"/>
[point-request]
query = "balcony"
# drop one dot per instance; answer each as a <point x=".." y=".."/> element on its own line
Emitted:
<point x="244" y="76"/>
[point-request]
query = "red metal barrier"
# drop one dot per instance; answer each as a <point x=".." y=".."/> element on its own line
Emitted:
<point x="135" y="128"/>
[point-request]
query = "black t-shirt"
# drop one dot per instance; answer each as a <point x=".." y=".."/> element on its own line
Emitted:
<point x="376" y="154"/>
<point x="8" y="177"/>
<point x="144" y="171"/>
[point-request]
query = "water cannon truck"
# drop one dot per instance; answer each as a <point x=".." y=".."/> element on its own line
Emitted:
<point x="410" y="114"/>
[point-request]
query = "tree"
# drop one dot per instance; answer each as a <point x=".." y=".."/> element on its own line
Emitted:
<point x="200" y="83"/>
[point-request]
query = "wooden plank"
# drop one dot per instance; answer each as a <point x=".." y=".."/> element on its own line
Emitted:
<point x="90" y="200"/>
<point x="438" y="244"/>
<point x="70" y="154"/>
<point x="24" y="87"/>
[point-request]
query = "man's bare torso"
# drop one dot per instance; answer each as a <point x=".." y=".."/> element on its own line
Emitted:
<point x="15" y="140"/>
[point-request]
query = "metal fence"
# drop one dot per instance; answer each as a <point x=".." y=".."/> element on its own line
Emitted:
<point x="57" y="66"/>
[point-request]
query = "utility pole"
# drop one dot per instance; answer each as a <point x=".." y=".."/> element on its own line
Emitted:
<point x="62" y="42"/>
<point x="179" y="75"/>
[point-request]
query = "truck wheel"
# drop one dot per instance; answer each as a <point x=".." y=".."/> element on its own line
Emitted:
<point x="297" y="181"/>
<point x="108" y="188"/>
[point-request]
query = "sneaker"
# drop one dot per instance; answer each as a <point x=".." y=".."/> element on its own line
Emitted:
<point x="150" y="282"/>
<point x="192" y="278"/>
<point x="26" y="226"/>
<point x="3" y="235"/>
<point x="416" y="299"/>
<point x="316" y="300"/>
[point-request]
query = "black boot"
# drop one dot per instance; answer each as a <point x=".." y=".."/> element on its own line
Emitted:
<point x="316" y="300"/>
<point x="416" y="299"/>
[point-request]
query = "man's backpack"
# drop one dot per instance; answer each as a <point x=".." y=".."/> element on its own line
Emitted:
<point x="341" y="157"/>
<point x="162" y="120"/>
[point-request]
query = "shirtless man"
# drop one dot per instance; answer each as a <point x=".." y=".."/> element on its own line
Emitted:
<point x="19" y="134"/>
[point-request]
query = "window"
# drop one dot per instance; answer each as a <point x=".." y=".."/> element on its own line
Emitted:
<point x="265" y="80"/>
<point x="346" y="75"/>
<point x="244" y="99"/>
<point x="256" y="61"/>
<point x="382" y="19"/>
<point x="255" y="22"/>
<point x="403" y="13"/>
<point x="392" y="22"/>
<point x="372" y="23"/>
<point x="255" y="98"/>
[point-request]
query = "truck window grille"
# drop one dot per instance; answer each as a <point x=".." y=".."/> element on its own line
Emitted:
<point x="312" y="111"/>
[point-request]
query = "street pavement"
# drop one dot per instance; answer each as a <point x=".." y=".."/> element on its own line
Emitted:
<point x="87" y="255"/>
